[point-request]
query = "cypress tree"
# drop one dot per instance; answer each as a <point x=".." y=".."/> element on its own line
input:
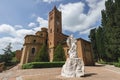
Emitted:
<point x="106" y="38"/>
<point x="59" y="54"/>
<point x="42" y="55"/>
<point x="111" y="27"/>
<point x="7" y="56"/>
<point x="92" y="37"/>
<point x="100" y="43"/>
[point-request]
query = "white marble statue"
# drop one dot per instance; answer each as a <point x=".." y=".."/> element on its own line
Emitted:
<point x="74" y="66"/>
<point x="71" y="42"/>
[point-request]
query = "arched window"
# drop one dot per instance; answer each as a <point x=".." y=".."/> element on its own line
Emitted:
<point x="41" y="35"/>
<point x="34" y="41"/>
<point x="33" y="50"/>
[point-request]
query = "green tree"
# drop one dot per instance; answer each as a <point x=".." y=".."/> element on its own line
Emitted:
<point x="106" y="38"/>
<point x="7" y="56"/>
<point x="42" y="55"/>
<point x="92" y="37"/>
<point x="1" y="58"/>
<point x="59" y="54"/>
<point x="100" y="43"/>
<point x="111" y="25"/>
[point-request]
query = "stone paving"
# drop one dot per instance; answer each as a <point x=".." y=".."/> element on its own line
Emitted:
<point x="98" y="72"/>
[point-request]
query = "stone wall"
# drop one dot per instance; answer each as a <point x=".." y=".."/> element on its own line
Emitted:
<point x="85" y="51"/>
<point x="18" y="54"/>
<point x="32" y="45"/>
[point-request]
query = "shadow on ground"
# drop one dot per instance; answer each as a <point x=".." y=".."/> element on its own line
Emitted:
<point x="89" y="74"/>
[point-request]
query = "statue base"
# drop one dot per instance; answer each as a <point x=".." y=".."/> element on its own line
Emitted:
<point x="73" y="67"/>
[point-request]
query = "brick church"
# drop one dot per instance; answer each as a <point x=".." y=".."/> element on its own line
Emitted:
<point x="52" y="37"/>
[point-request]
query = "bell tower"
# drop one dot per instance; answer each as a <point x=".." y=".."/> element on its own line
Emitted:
<point x="54" y="30"/>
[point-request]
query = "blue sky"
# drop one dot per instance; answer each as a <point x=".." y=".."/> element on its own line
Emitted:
<point x="21" y="17"/>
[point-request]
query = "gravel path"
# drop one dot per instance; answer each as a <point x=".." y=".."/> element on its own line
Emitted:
<point x="98" y="72"/>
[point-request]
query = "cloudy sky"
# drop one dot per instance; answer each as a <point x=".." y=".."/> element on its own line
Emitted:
<point x="21" y="17"/>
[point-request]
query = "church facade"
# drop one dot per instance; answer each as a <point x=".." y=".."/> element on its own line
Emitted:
<point x="52" y="37"/>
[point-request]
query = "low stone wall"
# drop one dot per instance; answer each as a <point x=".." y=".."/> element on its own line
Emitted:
<point x="1" y="66"/>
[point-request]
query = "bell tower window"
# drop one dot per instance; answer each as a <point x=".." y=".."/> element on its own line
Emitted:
<point x="50" y="30"/>
<point x="51" y="18"/>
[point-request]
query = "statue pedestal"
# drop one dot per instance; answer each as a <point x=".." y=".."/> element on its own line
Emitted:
<point x="73" y="67"/>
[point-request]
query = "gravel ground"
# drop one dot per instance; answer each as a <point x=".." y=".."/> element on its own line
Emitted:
<point x="99" y="72"/>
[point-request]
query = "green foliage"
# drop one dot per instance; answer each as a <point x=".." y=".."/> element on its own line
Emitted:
<point x="42" y="65"/>
<point x="92" y="37"/>
<point x="14" y="60"/>
<point x="102" y="62"/>
<point x="42" y="55"/>
<point x="27" y="66"/>
<point x="100" y="43"/>
<point x="59" y="54"/>
<point x="119" y="59"/>
<point x="8" y="55"/>
<point x="106" y="39"/>
<point x="96" y="37"/>
<point x="1" y="58"/>
<point x="112" y="30"/>
<point x="117" y="64"/>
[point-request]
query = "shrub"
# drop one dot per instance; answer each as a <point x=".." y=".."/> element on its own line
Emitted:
<point x="102" y="62"/>
<point x="119" y="60"/>
<point x="42" y="65"/>
<point x="14" y="60"/>
<point x="117" y="64"/>
<point x="27" y="66"/>
<point x="59" y="54"/>
<point x="42" y="55"/>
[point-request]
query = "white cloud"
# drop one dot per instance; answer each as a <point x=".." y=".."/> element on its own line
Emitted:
<point x="70" y="15"/>
<point x="42" y="22"/>
<point x="23" y="32"/>
<point x="47" y="1"/>
<point x="32" y="24"/>
<point x="16" y="38"/>
<point x="16" y="43"/>
<point x="18" y="32"/>
<point x="87" y="31"/>
<point x="18" y="26"/>
<point x="74" y="18"/>
<point x="5" y="28"/>
<point x="92" y="3"/>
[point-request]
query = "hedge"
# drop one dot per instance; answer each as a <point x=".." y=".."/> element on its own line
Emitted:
<point x="42" y="65"/>
<point x="117" y="64"/>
